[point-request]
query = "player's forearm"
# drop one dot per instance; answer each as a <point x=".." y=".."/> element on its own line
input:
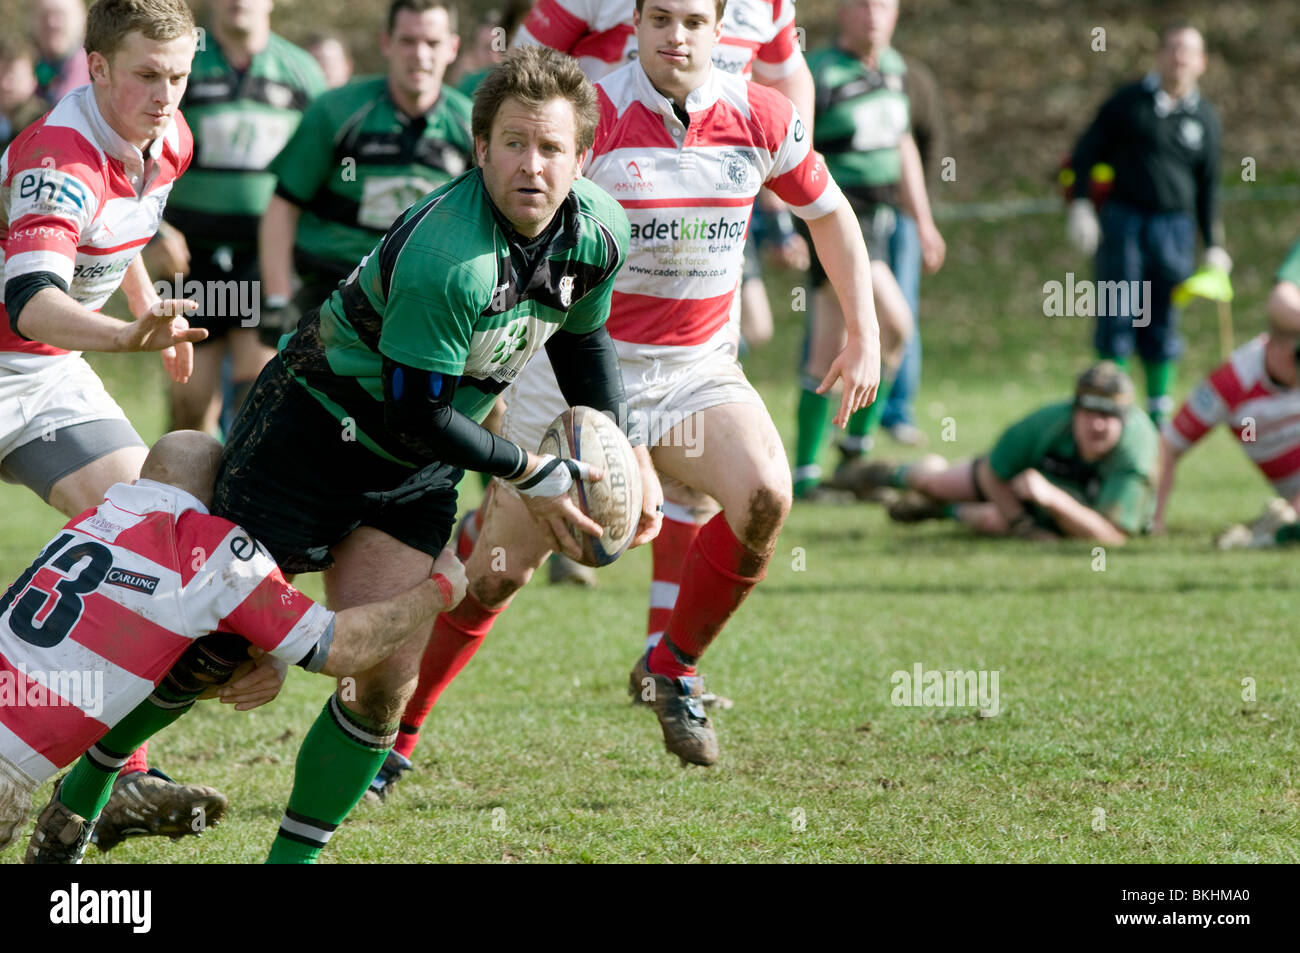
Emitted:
<point x="843" y="256"/>
<point x="1284" y="306"/>
<point x="1168" y="463"/>
<point x="275" y="237"/>
<point x="52" y="317"/>
<point x="139" y="291"/>
<point x="915" y="200"/>
<point x="1079" y="521"/>
<point x="798" y="88"/>
<point x="366" y="635"/>
<point x="999" y="492"/>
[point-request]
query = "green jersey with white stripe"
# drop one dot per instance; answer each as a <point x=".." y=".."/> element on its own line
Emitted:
<point x="452" y="289"/>
<point x="240" y="119"/>
<point x="356" y="162"/>
<point x="861" y="116"/>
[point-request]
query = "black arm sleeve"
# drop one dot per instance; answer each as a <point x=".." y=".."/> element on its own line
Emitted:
<point x="1207" y="185"/>
<point x="18" y="291"/>
<point x="1093" y="146"/>
<point x="587" y="368"/>
<point x="418" y="412"/>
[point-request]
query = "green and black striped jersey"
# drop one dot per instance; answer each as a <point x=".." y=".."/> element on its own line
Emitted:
<point x="862" y="115"/>
<point x="240" y="119"/>
<point x="356" y="162"/>
<point x="452" y="289"/>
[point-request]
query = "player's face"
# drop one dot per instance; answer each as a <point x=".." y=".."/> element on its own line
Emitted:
<point x="17" y="82"/>
<point x="58" y="25"/>
<point x="530" y="161"/>
<point x="675" y="40"/>
<point x="243" y="16"/>
<point x="140" y="88"/>
<point x="1181" y="61"/>
<point x="868" y="24"/>
<point x="419" y="50"/>
<point x="1096" y="434"/>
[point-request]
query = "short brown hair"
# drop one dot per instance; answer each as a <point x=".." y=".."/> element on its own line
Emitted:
<point x="110" y="21"/>
<point x="535" y="75"/>
<point x="15" y="47"/>
<point x="719" y="5"/>
<point x="420" y="6"/>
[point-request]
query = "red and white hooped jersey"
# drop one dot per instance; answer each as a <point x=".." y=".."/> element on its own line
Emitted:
<point x="1264" y="416"/>
<point x="758" y="36"/>
<point x="111" y="603"/>
<point x="80" y="202"/>
<point x="688" y="192"/>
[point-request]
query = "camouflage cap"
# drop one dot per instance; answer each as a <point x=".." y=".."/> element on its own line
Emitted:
<point x="1105" y="389"/>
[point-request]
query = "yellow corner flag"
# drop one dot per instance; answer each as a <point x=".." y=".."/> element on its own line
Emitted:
<point x="1213" y="284"/>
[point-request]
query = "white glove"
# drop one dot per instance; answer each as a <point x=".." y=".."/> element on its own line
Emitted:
<point x="552" y="477"/>
<point x="1216" y="257"/>
<point x="1082" y="227"/>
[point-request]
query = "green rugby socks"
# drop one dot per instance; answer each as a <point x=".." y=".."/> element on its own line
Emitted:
<point x="336" y="763"/>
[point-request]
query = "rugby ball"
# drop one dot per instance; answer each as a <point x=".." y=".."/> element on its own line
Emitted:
<point x="581" y="433"/>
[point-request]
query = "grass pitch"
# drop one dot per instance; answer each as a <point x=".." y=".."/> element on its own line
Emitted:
<point x="1147" y="694"/>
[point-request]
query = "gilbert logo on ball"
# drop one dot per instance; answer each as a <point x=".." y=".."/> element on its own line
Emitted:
<point x="581" y="433"/>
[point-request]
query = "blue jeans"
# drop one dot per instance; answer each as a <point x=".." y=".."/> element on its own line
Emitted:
<point x="1138" y="246"/>
<point x="905" y="263"/>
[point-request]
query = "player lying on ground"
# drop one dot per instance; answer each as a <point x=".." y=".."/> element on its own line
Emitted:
<point x="714" y="140"/>
<point x="1083" y="469"/>
<point x="346" y="456"/>
<point x="127" y="566"/>
<point x="1256" y="394"/>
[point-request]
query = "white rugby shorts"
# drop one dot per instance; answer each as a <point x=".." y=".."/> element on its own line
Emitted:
<point x="35" y="404"/>
<point x="664" y="385"/>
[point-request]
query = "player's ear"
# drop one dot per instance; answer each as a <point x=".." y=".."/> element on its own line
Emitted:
<point x="97" y="64"/>
<point x="480" y="150"/>
<point x="579" y="161"/>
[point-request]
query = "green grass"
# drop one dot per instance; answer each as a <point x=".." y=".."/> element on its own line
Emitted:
<point x="1121" y="690"/>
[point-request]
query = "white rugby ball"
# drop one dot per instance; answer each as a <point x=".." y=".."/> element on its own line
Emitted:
<point x="581" y="433"/>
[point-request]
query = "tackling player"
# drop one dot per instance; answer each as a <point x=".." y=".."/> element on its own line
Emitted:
<point x="1255" y="393"/>
<point x="82" y="191"/>
<point x="373" y="405"/>
<point x="704" y="142"/>
<point x="127" y="566"/>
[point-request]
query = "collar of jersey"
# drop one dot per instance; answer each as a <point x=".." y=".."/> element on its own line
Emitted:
<point x="702" y="97"/>
<point x="145" y="496"/>
<point x="1166" y="104"/>
<point x="108" y="139"/>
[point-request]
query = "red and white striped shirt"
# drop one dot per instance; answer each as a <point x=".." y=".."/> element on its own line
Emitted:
<point x="688" y="192"/>
<point x="758" y="36"/>
<point x="1264" y="416"/>
<point x="80" y="202"/>
<point x="114" y="600"/>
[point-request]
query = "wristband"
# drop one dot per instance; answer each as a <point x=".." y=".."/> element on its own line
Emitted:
<point x="445" y="587"/>
<point x="551" y="477"/>
<point x="275" y="302"/>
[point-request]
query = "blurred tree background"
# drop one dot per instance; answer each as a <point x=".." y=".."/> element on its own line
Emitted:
<point x="1020" y="77"/>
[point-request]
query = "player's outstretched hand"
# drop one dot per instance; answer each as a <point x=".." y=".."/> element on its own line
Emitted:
<point x="544" y="488"/>
<point x="858" y="365"/>
<point x="254" y="683"/>
<point x="450" y="567"/>
<point x="164" y="328"/>
<point x="652" y="500"/>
